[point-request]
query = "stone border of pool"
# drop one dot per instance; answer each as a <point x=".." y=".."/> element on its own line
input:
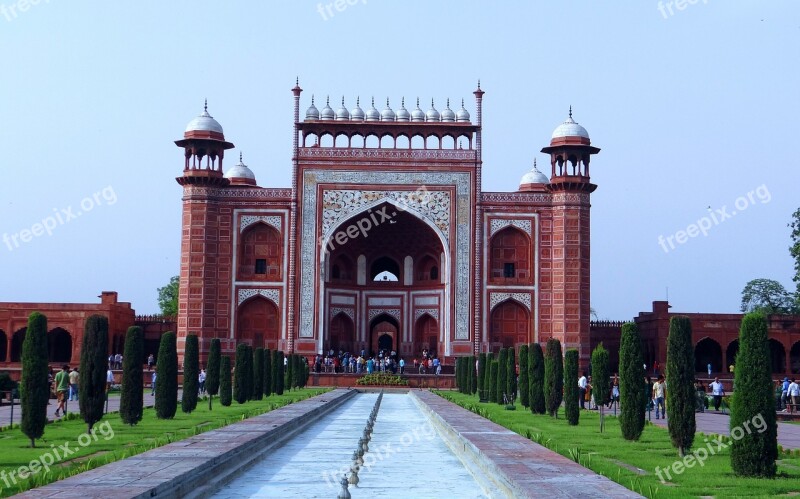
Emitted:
<point x="196" y="465"/>
<point x="515" y="465"/>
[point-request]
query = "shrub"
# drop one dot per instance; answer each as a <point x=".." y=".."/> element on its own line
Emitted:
<point x="277" y="369"/>
<point x="191" y="371"/>
<point x="381" y="379"/>
<point x="267" y="372"/>
<point x="248" y="380"/>
<point x="601" y="381"/>
<point x="502" y="375"/>
<point x="473" y="379"/>
<point x="755" y="453"/>
<point x="240" y="372"/>
<point x="258" y="373"/>
<point x="511" y="375"/>
<point x="131" y="404"/>
<point x="681" y="392"/>
<point x="225" y="392"/>
<point x="524" y="386"/>
<point x="493" y="371"/>
<point x="212" y="370"/>
<point x="571" y="392"/>
<point x="536" y="378"/>
<point x="35" y="386"/>
<point x="632" y="390"/>
<point x="94" y="365"/>
<point x="553" y="377"/>
<point x="289" y="375"/>
<point x="481" y="374"/>
<point x="167" y="384"/>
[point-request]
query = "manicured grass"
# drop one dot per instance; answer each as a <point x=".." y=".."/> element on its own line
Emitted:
<point x="116" y="440"/>
<point x="610" y="455"/>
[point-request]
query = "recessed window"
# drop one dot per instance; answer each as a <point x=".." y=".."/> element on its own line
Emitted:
<point x="434" y="273"/>
<point x="508" y="269"/>
<point x="261" y="266"/>
<point x="336" y="272"/>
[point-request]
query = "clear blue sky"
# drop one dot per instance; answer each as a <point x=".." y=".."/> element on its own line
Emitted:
<point x="693" y="108"/>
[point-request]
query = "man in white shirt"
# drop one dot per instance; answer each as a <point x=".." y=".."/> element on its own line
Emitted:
<point x="717" y="391"/>
<point x="582" y="389"/>
<point x="659" y="388"/>
<point x="794" y="393"/>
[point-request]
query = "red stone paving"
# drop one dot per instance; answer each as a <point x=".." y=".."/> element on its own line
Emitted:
<point x="531" y="469"/>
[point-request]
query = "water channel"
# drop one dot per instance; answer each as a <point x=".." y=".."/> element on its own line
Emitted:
<point x="406" y="456"/>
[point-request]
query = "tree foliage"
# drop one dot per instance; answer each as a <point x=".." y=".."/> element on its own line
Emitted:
<point x="240" y="373"/>
<point x="167" y="381"/>
<point x="601" y="380"/>
<point x="267" y="372"/>
<point x="35" y="391"/>
<point x="794" y="250"/>
<point x="571" y="392"/>
<point x="681" y="394"/>
<point x="494" y="368"/>
<point x="168" y="298"/>
<point x="536" y="378"/>
<point x="511" y="375"/>
<point x="524" y="386"/>
<point x="502" y="375"/>
<point x="225" y="389"/>
<point x="258" y="373"/>
<point x="212" y="370"/>
<point x="481" y="374"/>
<point x="767" y="296"/>
<point x="191" y="373"/>
<point x="632" y="389"/>
<point x="94" y="366"/>
<point x="131" y="403"/>
<point x="277" y="371"/>
<point x="553" y="377"/>
<point x="755" y="453"/>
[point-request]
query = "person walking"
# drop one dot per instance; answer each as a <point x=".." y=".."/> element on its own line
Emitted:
<point x="582" y="389"/>
<point x="153" y="382"/>
<point x="402" y="366"/>
<point x="201" y="382"/>
<point x="717" y="392"/>
<point x="74" y="379"/>
<point x="794" y="395"/>
<point x="709" y="369"/>
<point x="62" y="386"/>
<point x="784" y="393"/>
<point x="658" y="397"/>
<point x="150" y="361"/>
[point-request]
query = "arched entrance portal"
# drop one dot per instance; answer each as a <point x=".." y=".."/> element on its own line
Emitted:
<point x="16" y="344"/>
<point x="59" y="345"/>
<point x="510" y="325"/>
<point x="426" y="335"/>
<point x="708" y="351"/>
<point x="341" y="334"/>
<point x="383" y="333"/>
<point x="730" y="354"/>
<point x="258" y="323"/>
<point x="394" y="263"/>
<point x="794" y="358"/>
<point x="3" y="346"/>
<point x="777" y="355"/>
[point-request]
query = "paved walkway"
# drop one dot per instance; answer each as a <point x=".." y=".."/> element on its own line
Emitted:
<point x="719" y="423"/>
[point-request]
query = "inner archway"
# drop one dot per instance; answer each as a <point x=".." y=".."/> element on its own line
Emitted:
<point x="707" y="351"/>
<point x="794" y="358"/>
<point x="510" y="325"/>
<point x="777" y="356"/>
<point x="258" y="323"/>
<point x="383" y="333"/>
<point x="342" y="334"/>
<point x="59" y="345"/>
<point x="16" y="344"/>
<point x="3" y="346"/>
<point x="730" y="353"/>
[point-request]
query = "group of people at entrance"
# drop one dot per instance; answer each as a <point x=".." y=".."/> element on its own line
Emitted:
<point x="586" y="394"/>
<point x="345" y="362"/>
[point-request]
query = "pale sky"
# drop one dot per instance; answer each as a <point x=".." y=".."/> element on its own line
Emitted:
<point x="694" y="109"/>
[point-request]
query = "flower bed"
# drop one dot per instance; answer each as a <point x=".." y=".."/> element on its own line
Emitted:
<point x="384" y="379"/>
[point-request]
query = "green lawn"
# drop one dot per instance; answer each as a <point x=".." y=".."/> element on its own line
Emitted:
<point x="115" y="440"/>
<point x="610" y="455"/>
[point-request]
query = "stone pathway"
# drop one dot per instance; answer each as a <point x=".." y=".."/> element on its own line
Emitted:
<point x="719" y="423"/>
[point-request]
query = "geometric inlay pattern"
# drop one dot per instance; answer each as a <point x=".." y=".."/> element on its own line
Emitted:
<point x="497" y="224"/>
<point x="272" y="220"/>
<point x="496" y="298"/>
<point x="270" y="294"/>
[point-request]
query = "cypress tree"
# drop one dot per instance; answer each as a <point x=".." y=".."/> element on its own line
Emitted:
<point x="296" y="375"/>
<point x="280" y="368"/>
<point x="258" y="373"/>
<point x="460" y="374"/>
<point x="94" y="365"/>
<point x="511" y="375"/>
<point x="536" y="378"/>
<point x="191" y="371"/>
<point x="502" y="375"/>
<point x="167" y="382"/>
<point x="553" y="377"/>
<point x="276" y="363"/>
<point x="631" y="381"/>
<point x="681" y="394"/>
<point x="470" y="370"/>
<point x="755" y="453"/>
<point x="250" y="380"/>
<point x="524" y="386"/>
<point x="493" y="371"/>
<point x="267" y="372"/>
<point x="35" y="391"/>
<point x="473" y="382"/>
<point x="571" y="392"/>
<point x="240" y="374"/>
<point x="131" y="402"/>
<point x="481" y="375"/>
<point x="212" y="370"/>
<point x="225" y="392"/>
<point x="601" y="381"/>
<point x="288" y="376"/>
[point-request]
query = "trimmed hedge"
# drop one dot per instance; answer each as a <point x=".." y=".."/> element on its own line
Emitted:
<point x="191" y="372"/>
<point x="225" y="389"/>
<point x="502" y="375"/>
<point x="493" y="375"/>
<point x="631" y="383"/>
<point x="167" y="380"/>
<point x="212" y="370"/>
<point x="131" y="402"/>
<point x="571" y="392"/>
<point x="35" y="392"/>
<point x="524" y="384"/>
<point x="681" y="393"/>
<point x="553" y="377"/>
<point x="536" y="378"/>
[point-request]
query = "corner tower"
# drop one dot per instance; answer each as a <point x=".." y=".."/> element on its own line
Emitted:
<point x="570" y="152"/>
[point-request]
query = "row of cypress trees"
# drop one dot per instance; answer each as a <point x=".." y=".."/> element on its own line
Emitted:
<point x="466" y="375"/>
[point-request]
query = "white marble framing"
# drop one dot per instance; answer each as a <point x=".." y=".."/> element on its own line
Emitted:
<point x="500" y="223"/>
<point x="273" y="220"/>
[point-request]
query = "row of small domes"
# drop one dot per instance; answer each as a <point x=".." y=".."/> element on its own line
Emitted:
<point x="387" y="114"/>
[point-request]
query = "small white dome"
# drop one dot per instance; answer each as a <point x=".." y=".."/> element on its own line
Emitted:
<point x="312" y="113"/>
<point x="447" y="114"/>
<point x="327" y="112"/>
<point x="342" y="113"/>
<point x="402" y="113"/>
<point x="534" y="177"/>
<point x="432" y="114"/>
<point x="372" y="113"/>
<point x="387" y="114"/>
<point x="570" y="129"/>
<point x="241" y="173"/>
<point x="357" y="114"/>
<point x="204" y="123"/>
<point x="417" y="114"/>
<point x="462" y="115"/>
